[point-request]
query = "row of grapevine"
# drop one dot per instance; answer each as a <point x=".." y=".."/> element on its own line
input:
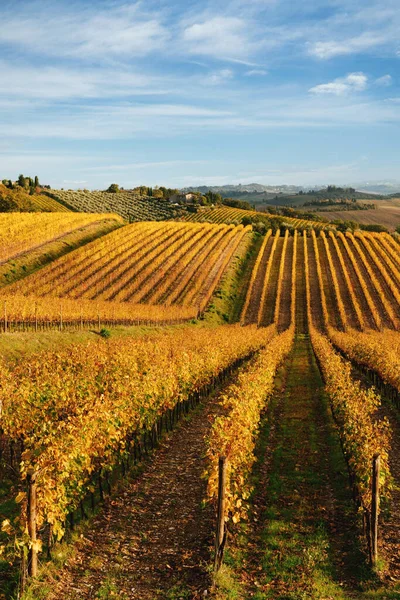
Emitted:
<point x="234" y="434"/>
<point x="127" y="204"/>
<point x="74" y="414"/>
<point x="253" y="277"/>
<point x="363" y="434"/>
<point x="347" y="287"/>
<point x="379" y="352"/>
<point x="21" y="313"/>
<point x="21" y="232"/>
<point x="364" y="291"/>
<point x="267" y="277"/>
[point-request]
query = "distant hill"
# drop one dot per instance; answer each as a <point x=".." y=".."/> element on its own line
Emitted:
<point x="330" y="194"/>
<point x="19" y="200"/>
<point x="285" y="195"/>
<point x="234" y="191"/>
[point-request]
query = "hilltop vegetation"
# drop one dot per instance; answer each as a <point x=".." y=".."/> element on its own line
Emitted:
<point x="18" y="199"/>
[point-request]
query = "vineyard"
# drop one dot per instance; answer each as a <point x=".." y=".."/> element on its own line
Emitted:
<point x="354" y="280"/>
<point x="144" y="271"/>
<point x="292" y="443"/>
<point x="225" y="214"/>
<point x="29" y="231"/>
<point x="127" y="204"/>
<point x="47" y="204"/>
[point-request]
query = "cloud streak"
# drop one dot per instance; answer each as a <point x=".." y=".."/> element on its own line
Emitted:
<point x="353" y="82"/>
<point x="87" y="34"/>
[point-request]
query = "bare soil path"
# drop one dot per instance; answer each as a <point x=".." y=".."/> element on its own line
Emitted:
<point x="153" y="540"/>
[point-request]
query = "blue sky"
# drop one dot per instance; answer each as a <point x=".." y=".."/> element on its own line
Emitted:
<point x="185" y="93"/>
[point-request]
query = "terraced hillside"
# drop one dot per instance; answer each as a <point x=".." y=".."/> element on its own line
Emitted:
<point x="172" y="267"/>
<point x="226" y="214"/>
<point x="127" y="204"/>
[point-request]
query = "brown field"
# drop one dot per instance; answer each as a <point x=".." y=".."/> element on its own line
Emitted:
<point x="387" y="214"/>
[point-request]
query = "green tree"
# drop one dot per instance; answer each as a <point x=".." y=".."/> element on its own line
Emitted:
<point x="114" y="188"/>
<point x="36" y="181"/>
<point x="21" y="181"/>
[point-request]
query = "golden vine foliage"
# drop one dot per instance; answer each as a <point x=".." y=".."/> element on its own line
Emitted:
<point x="267" y="276"/>
<point x="74" y="410"/>
<point x="336" y="287"/>
<point x="379" y="290"/>
<point x="376" y="259"/>
<point x="254" y="275"/>
<point x="362" y="434"/>
<point x="27" y="308"/>
<point x="371" y="305"/>
<point x="280" y="277"/>
<point x="234" y="434"/>
<point x="387" y="252"/>
<point x="378" y="351"/>
<point x="227" y="214"/>
<point x="20" y="232"/>
<point x="157" y="264"/>
<point x="325" y="311"/>
<point x="349" y="283"/>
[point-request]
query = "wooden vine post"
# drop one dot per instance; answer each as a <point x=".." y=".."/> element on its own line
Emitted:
<point x="5" y="316"/>
<point x="220" y="538"/>
<point x="33" y="550"/>
<point x="61" y="318"/>
<point x="376" y="467"/>
<point x="36" y="317"/>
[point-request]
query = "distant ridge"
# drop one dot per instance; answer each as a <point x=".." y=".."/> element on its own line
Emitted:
<point x="248" y="187"/>
<point x="374" y="187"/>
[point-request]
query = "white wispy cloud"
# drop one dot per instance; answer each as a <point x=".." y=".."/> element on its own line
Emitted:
<point x="219" y="77"/>
<point x="128" y="122"/>
<point x="55" y="82"/>
<point x="220" y="36"/>
<point x="256" y="72"/>
<point x="88" y="34"/>
<point x="384" y="81"/>
<point x="355" y="45"/>
<point x="353" y="82"/>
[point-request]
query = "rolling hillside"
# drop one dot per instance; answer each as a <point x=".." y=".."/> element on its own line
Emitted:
<point x="18" y="200"/>
<point x="128" y="205"/>
<point x="174" y="266"/>
<point x="226" y="214"/>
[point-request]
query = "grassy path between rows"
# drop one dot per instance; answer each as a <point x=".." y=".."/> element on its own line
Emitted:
<point x="302" y="539"/>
